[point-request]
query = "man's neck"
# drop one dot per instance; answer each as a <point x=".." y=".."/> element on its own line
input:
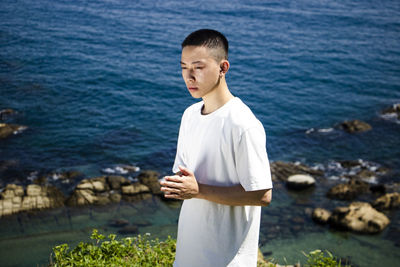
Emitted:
<point x="217" y="98"/>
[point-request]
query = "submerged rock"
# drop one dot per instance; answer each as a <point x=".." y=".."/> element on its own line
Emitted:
<point x="300" y="181"/>
<point x="359" y="217"/>
<point x="388" y="201"/>
<point x="10" y="129"/>
<point x="355" y="126"/>
<point x="119" y="223"/>
<point x="280" y="170"/>
<point x="320" y="215"/>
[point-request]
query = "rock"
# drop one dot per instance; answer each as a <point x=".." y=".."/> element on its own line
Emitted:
<point x="282" y="170"/>
<point x="300" y="181"/>
<point x="56" y="197"/>
<point x="348" y="164"/>
<point x="150" y="179"/>
<point x="115" y="197"/>
<point x="320" y="215"/>
<point x="6" y="112"/>
<point x="103" y="199"/>
<point x="133" y="189"/>
<point x="394" y="109"/>
<point x="129" y="230"/>
<point x="355" y="126"/>
<point x="12" y="190"/>
<point x="137" y="197"/>
<point x="9" y="129"/>
<point x="366" y="174"/>
<point x="141" y="222"/>
<point x="37" y="197"/>
<point x="33" y="190"/>
<point x="97" y="184"/>
<point x="119" y="223"/>
<point x="348" y="191"/>
<point x="359" y="217"/>
<point x="107" y="189"/>
<point x="116" y="182"/>
<point x="85" y="184"/>
<point x="81" y="197"/>
<point x="388" y="201"/>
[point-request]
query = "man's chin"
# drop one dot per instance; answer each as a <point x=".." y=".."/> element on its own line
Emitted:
<point x="195" y="94"/>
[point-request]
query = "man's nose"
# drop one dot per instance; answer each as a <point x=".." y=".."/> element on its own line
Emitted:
<point x="190" y="75"/>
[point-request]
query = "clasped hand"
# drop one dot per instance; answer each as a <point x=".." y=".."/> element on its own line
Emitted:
<point x="181" y="186"/>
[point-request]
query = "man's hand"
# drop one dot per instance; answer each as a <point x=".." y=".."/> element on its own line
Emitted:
<point x="181" y="186"/>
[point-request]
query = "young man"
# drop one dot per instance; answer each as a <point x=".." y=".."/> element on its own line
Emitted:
<point x="221" y="166"/>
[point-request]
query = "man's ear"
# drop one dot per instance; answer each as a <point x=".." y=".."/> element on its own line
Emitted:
<point x="224" y="66"/>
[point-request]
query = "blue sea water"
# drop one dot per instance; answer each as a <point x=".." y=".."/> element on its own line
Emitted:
<point x="98" y="82"/>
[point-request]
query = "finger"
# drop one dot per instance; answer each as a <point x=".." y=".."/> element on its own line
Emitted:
<point x="185" y="171"/>
<point x="172" y="184"/>
<point x="169" y="190"/>
<point x="175" y="178"/>
<point x="174" y="196"/>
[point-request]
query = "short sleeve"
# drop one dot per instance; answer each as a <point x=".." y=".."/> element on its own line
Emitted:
<point x="252" y="165"/>
<point x="179" y="157"/>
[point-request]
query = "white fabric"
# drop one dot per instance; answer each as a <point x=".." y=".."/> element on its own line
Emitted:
<point x="224" y="148"/>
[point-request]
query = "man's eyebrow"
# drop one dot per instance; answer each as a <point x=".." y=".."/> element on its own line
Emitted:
<point x="194" y="62"/>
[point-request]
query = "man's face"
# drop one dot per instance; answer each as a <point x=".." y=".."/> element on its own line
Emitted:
<point x="200" y="70"/>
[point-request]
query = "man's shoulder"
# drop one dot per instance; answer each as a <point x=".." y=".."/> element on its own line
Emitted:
<point x="240" y="115"/>
<point x="193" y="108"/>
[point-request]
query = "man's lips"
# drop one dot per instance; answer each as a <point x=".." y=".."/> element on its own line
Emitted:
<point x="192" y="88"/>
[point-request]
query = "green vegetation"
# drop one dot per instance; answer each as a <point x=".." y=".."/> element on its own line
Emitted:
<point x="317" y="258"/>
<point x="141" y="251"/>
<point x="137" y="251"/>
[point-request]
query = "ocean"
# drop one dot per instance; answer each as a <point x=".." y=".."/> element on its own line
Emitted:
<point x="98" y="84"/>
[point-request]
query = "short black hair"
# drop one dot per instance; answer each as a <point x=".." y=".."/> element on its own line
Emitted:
<point x="210" y="39"/>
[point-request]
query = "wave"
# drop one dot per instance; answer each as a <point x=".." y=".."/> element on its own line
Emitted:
<point x="322" y="130"/>
<point x="345" y="170"/>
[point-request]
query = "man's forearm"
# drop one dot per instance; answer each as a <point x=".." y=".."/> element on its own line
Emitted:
<point x="183" y="185"/>
<point x="234" y="195"/>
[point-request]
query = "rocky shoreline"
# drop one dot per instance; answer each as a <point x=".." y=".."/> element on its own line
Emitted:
<point x="100" y="190"/>
<point x="297" y="178"/>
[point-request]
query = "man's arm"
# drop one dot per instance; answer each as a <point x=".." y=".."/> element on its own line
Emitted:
<point x="184" y="186"/>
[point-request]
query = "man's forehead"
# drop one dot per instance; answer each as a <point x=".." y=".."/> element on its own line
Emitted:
<point x="197" y="55"/>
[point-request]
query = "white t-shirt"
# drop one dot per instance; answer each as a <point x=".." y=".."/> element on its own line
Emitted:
<point x="224" y="148"/>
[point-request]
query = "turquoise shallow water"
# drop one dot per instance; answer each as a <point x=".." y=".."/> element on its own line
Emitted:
<point x="98" y="83"/>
